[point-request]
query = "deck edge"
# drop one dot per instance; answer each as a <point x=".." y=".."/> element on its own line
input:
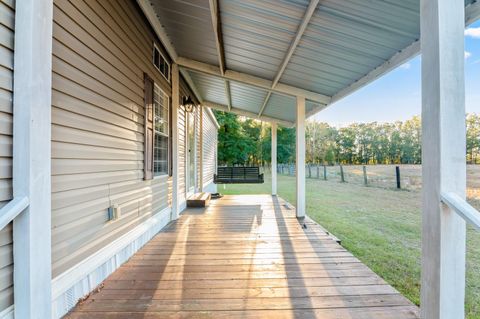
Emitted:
<point x="77" y="282"/>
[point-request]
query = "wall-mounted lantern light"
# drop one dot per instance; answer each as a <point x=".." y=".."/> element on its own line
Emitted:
<point x="188" y="104"/>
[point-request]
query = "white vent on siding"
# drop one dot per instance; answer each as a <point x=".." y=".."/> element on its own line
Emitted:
<point x="70" y="299"/>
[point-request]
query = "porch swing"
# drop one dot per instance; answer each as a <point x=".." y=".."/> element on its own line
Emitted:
<point x="238" y="175"/>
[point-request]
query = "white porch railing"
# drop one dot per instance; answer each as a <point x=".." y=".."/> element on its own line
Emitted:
<point x="462" y="208"/>
<point x="12" y="210"/>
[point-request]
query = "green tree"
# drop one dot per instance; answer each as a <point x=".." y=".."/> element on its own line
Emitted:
<point x="233" y="144"/>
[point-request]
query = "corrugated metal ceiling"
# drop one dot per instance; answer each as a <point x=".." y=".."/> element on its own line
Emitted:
<point x="342" y="43"/>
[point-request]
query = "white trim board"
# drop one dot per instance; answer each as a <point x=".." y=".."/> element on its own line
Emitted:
<point x="7" y="313"/>
<point x="212" y="116"/>
<point x="81" y="279"/>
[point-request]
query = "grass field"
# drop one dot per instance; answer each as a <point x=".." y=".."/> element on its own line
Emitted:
<point x="381" y="226"/>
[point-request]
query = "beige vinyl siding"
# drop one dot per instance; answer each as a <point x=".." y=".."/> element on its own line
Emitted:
<point x="182" y="144"/>
<point x="198" y="155"/>
<point x="209" y="147"/>
<point x="101" y="50"/>
<point x="7" y="25"/>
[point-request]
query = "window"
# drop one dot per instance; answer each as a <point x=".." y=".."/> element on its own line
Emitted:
<point x="161" y="131"/>
<point x="161" y="63"/>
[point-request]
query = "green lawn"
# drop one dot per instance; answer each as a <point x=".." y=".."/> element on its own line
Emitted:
<point x="379" y="226"/>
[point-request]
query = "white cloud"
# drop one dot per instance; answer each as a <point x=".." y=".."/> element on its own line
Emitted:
<point x="473" y="32"/>
<point x="467" y="54"/>
<point x="405" y="66"/>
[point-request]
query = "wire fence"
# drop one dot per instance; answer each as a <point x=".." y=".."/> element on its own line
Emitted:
<point x="384" y="176"/>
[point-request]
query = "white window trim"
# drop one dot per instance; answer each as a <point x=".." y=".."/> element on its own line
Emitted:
<point x="155" y="47"/>
<point x="161" y="175"/>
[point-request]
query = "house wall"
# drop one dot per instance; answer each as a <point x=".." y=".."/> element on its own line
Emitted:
<point x="182" y="116"/>
<point x="209" y="151"/>
<point x="7" y="25"/>
<point x="182" y="144"/>
<point x="198" y="133"/>
<point x="101" y="50"/>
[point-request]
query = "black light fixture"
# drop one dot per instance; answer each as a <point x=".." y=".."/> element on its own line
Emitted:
<point x="188" y="104"/>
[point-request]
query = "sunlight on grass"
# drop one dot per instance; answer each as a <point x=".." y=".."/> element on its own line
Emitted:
<point x="379" y="226"/>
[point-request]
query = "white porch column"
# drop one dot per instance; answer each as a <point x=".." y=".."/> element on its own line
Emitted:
<point x="175" y="153"/>
<point x="300" y="157"/>
<point x="443" y="158"/>
<point x="32" y="158"/>
<point x="274" y="158"/>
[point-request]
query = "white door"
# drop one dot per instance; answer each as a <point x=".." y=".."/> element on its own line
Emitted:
<point x="191" y="154"/>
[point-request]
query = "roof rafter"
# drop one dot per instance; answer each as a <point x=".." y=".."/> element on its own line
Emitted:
<point x="192" y="85"/>
<point x="252" y="80"/>
<point x="293" y="45"/>
<point x="217" y="29"/>
<point x="222" y="107"/>
<point x="228" y="94"/>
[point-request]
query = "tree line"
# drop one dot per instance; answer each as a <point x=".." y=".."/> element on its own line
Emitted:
<point x="243" y="141"/>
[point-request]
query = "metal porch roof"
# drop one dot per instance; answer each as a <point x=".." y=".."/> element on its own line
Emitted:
<point x="252" y="57"/>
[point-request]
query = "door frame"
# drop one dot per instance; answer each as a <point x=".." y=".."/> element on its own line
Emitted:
<point x="190" y="189"/>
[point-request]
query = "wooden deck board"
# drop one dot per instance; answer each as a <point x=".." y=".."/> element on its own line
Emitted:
<point x="244" y="257"/>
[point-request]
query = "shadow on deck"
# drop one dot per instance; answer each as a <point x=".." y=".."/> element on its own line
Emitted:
<point x="244" y="257"/>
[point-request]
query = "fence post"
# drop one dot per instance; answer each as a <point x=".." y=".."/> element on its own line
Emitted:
<point x="341" y="174"/>
<point x="365" y="180"/>
<point x="397" y="173"/>
<point x="309" y="171"/>
<point x="318" y="171"/>
<point x="324" y="172"/>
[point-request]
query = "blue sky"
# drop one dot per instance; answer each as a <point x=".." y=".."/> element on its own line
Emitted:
<point x="397" y="95"/>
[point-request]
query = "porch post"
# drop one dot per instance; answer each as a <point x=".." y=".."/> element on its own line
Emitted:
<point x="32" y="158"/>
<point x="274" y="158"/>
<point x="175" y="153"/>
<point x="443" y="158"/>
<point x="300" y="156"/>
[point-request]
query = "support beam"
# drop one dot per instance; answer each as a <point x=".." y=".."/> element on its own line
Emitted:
<point x="273" y="159"/>
<point x="32" y="158"/>
<point x="293" y="45"/>
<point x="228" y="94"/>
<point x="252" y="80"/>
<point x="191" y="84"/>
<point x="175" y="151"/>
<point x="301" y="29"/>
<point x="300" y="157"/>
<point x="217" y="29"/>
<point x="317" y="108"/>
<point x="222" y="107"/>
<point x="443" y="158"/>
<point x="265" y="102"/>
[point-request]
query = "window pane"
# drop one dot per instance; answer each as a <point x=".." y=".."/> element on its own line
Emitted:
<point x="156" y="58"/>
<point x="160" y="155"/>
<point x="160" y="151"/>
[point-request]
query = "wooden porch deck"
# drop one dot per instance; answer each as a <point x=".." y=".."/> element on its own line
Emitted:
<point x="244" y="257"/>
